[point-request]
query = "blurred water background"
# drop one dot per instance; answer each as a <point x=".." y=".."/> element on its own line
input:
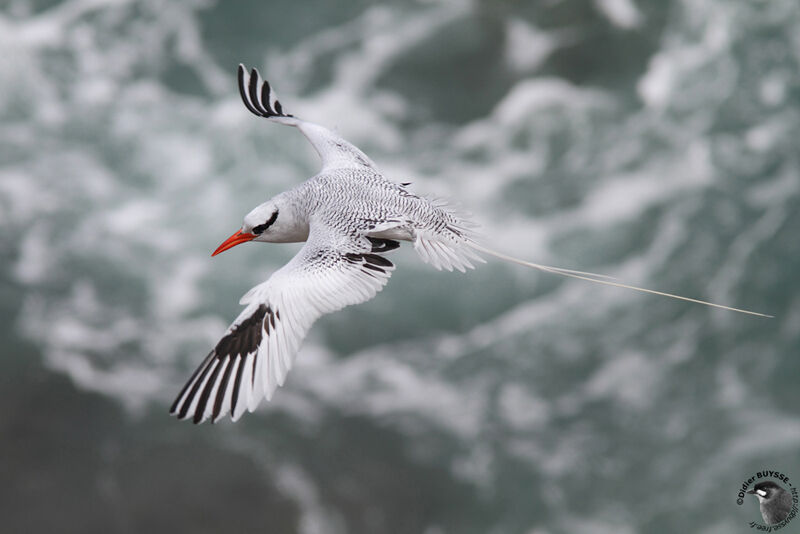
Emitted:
<point x="654" y="141"/>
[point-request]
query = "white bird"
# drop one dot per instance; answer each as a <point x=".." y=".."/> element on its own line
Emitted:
<point x="349" y="216"/>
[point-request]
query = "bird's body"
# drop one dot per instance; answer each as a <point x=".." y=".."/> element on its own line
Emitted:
<point x="775" y="502"/>
<point x="349" y="216"/>
<point x="361" y="202"/>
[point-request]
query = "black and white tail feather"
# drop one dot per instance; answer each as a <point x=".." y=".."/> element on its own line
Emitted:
<point x="331" y="271"/>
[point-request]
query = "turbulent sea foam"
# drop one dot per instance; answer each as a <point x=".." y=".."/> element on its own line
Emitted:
<point x="654" y="143"/>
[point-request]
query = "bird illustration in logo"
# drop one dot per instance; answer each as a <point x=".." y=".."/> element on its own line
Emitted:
<point x="775" y="502"/>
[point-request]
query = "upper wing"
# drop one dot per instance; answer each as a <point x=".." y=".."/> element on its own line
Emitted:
<point x="334" y="151"/>
<point x="257" y="351"/>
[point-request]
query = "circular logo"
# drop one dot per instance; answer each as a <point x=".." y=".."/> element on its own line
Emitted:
<point x="777" y="499"/>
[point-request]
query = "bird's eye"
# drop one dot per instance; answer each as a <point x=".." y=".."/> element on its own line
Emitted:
<point x="261" y="227"/>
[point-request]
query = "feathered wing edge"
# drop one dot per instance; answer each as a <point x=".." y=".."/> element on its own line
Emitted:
<point x="249" y="362"/>
<point x="256" y="353"/>
<point x="260" y="99"/>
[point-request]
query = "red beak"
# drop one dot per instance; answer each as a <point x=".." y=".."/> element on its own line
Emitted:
<point x="236" y="239"/>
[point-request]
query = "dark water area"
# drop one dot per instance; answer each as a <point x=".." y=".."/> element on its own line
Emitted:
<point x="656" y="142"/>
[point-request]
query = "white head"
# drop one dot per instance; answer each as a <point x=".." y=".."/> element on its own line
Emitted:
<point x="766" y="491"/>
<point x="274" y="221"/>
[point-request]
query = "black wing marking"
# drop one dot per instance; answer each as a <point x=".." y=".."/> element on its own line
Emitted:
<point x="382" y="245"/>
<point x="218" y="383"/>
<point x="231" y="352"/>
<point x="370" y="262"/>
<point x="261" y="102"/>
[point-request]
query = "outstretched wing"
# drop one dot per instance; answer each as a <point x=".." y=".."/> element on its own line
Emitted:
<point x="336" y="153"/>
<point x="256" y="353"/>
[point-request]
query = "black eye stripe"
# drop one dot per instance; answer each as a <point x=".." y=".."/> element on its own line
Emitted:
<point x="261" y="227"/>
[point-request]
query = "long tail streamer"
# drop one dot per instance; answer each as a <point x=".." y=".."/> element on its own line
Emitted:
<point x="590" y="277"/>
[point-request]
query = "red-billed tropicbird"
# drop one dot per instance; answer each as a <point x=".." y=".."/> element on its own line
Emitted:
<point x="349" y="215"/>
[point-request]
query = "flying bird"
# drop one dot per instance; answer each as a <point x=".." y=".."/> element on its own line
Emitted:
<point x="775" y="502"/>
<point x="349" y="216"/>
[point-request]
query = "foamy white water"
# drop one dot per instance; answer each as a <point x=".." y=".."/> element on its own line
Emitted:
<point x="653" y="143"/>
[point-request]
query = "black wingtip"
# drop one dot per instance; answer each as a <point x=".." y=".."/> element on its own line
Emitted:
<point x="243" y="92"/>
<point x="265" y="92"/>
<point x="253" y="92"/>
<point x="258" y="100"/>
